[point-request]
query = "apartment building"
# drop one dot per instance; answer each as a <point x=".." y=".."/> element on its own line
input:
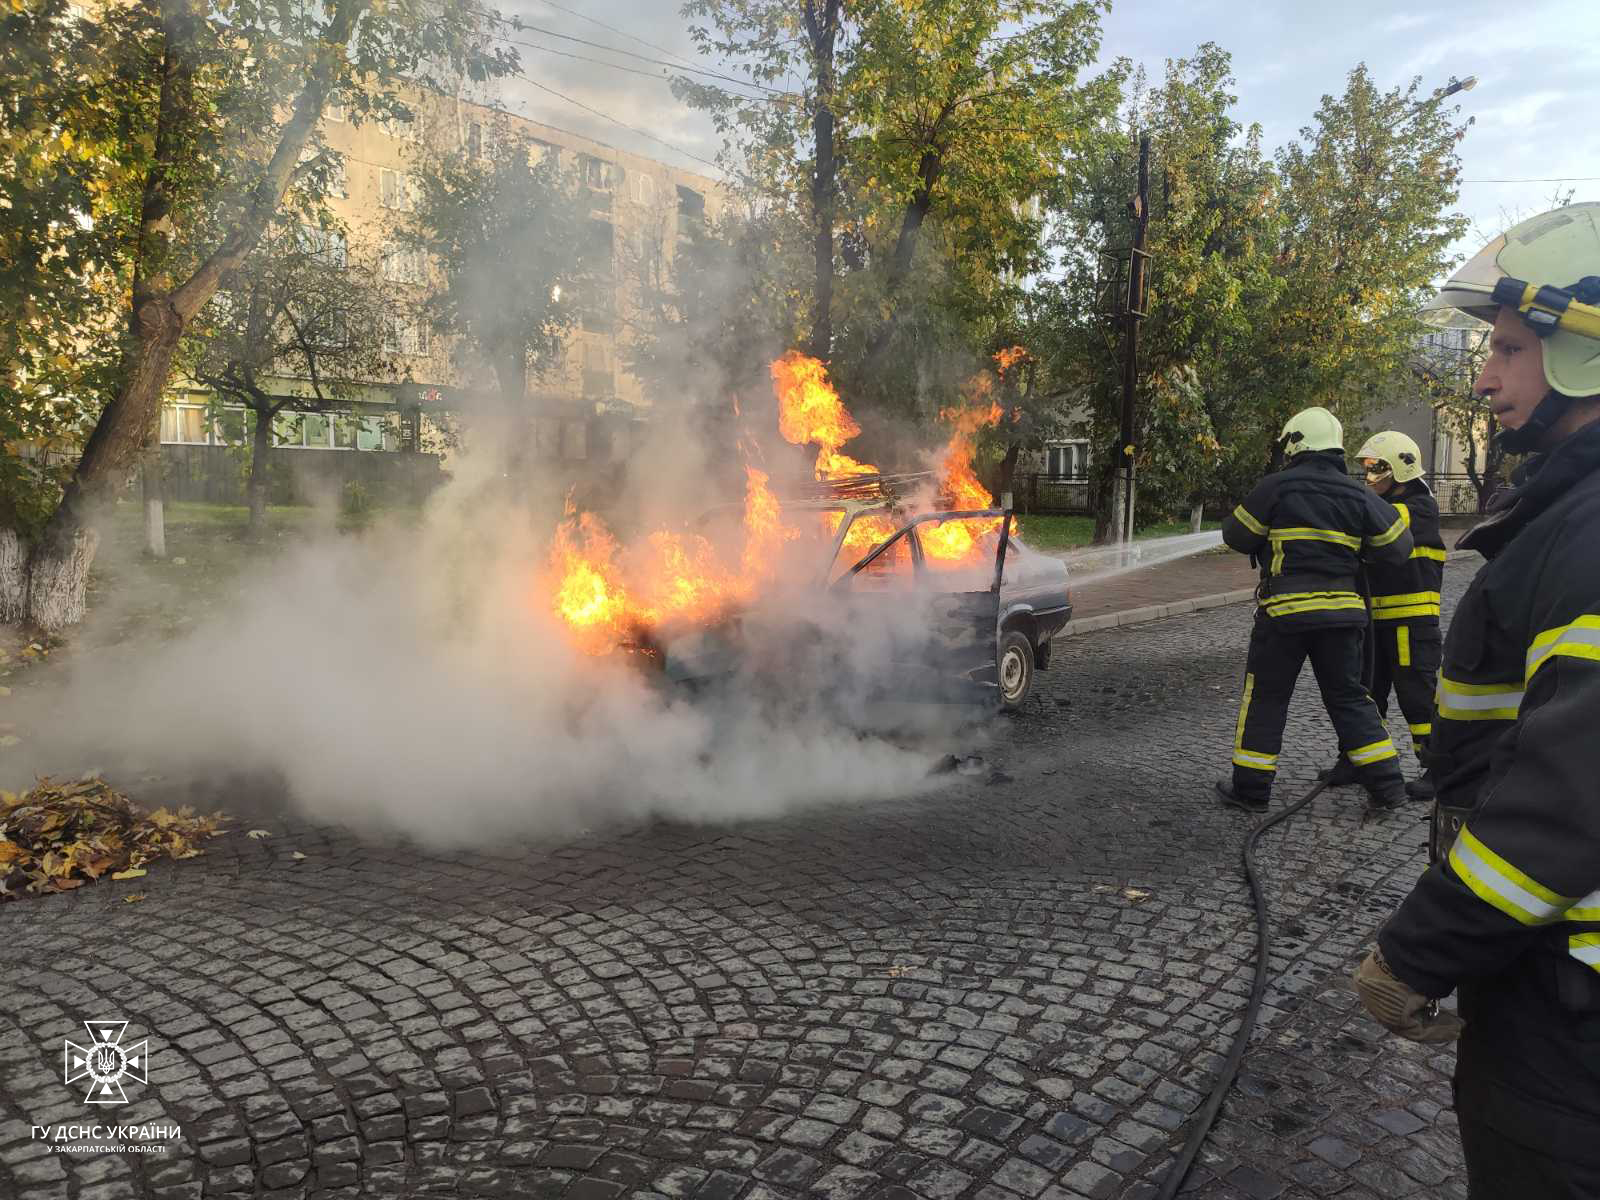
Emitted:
<point x="584" y="411"/>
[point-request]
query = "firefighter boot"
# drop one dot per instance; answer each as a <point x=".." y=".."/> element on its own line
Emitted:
<point x="1421" y="788"/>
<point x="1341" y="774"/>
<point x="1233" y="798"/>
<point x="1386" y="796"/>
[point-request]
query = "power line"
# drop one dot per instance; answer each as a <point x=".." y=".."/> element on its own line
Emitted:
<point x="613" y="29"/>
<point x="1557" y="179"/>
<point x="567" y="37"/>
<point x="619" y="123"/>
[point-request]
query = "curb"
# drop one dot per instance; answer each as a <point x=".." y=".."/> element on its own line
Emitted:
<point x="1177" y="608"/>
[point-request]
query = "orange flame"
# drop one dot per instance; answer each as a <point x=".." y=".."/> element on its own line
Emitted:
<point x="810" y="413"/>
<point x="606" y="594"/>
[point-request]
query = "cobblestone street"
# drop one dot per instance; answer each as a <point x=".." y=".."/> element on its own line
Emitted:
<point x="1015" y="984"/>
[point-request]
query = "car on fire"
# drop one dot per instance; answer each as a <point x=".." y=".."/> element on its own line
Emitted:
<point x="974" y="631"/>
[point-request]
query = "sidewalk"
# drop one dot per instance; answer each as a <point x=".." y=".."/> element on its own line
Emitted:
<point x="1201" y="581"/>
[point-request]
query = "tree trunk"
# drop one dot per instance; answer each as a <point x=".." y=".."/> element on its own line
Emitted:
<point x="823" y="31"/>
<point x="1197" y="517"/>
<point x="260" y="461"/>
<point x="152" y="477"/>
<point x="13" y="576"/>
<point x="1008" y="468"/>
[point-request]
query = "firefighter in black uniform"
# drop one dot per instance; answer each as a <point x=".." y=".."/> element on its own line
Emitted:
<point x="1405" y="600"/>
<point x="1508" y="915"/>
<point x="1310" y="525"/>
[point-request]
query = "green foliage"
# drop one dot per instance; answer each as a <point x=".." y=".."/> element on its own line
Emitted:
<point x="520" y="255"/>
<point x="1272" y="285"/>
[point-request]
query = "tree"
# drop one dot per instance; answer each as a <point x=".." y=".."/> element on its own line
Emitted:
<point x="211" y="108"/>
<point x="298" y="328"/>
<point x="521" y="258"/>
<point x="1211" y="238"/>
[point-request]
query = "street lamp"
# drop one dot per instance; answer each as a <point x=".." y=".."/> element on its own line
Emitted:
<point x="1456" y="85"/>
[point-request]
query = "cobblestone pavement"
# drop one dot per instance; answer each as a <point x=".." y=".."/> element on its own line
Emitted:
<point x="1012" y="985"/>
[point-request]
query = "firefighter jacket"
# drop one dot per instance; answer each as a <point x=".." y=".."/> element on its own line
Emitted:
<point x="1310" y="525"/>
<point x="1510" y="914"/>
<point x="1410" y="590"/>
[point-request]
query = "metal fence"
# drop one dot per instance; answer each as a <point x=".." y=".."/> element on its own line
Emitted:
<point x="217" y="474"/>
<point x="1456" y="493"/>
<point x="1038" y="492"/>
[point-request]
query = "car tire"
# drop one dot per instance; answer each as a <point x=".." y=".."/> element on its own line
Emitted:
<point x="1015" y="669"/>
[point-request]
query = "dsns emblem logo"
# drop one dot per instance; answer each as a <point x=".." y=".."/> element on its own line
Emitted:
<point x="105" y="1062"/>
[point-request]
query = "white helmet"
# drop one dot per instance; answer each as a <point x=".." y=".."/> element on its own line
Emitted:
<point x="1548" y="269"/>
<point x="1312" y="429"/>
<point x="1397" y="451"/>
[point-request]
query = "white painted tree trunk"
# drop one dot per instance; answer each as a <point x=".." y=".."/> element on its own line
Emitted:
<point x="57" y="583"/>
<point x="155" y="524"/>
<point x="1197" y="518"/>
<point x="13" y="576"/>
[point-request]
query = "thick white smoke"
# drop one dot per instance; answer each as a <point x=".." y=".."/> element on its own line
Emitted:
<point x="415" y="680"/>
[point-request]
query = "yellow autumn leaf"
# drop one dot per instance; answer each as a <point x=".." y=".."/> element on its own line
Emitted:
<point x="131" y="873"/>
<point x="133" y="899"/>
<point x="258" y="834"/>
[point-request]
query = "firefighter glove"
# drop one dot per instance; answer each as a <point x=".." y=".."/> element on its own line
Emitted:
<point x="1398" y="1008"/>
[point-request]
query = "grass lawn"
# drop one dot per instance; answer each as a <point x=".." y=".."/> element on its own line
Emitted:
<point x="1050" y="533"/>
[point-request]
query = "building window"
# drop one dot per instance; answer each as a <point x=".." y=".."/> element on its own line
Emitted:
<point x="333" y="110"/>
<point x="691" y="204"/>
<point x="644" y="188"/>
<point x="404" y="335"/>
<point x="327" y="246"/>
<point x="328" y="329"/>
<point x="477" y="140"/>
<point x="404" y="129"/>
<point x="597" y="173"/>
<point x="288" y="429"/>
<point x="376" y="432"/>
<point x="402" y="264"/>
<point x="185" y="425"/>
<point x="1067" y="460"/>
<point x="540" y="152"/>
<point x="394" y="189"/>
<point x="318" y="429"/>
<point x="338" y="181"/>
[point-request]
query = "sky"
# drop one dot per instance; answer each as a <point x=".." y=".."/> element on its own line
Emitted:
<point x="1537" y="64"/>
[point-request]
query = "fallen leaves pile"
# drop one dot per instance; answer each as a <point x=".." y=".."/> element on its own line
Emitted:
<point x="58" y="836"/>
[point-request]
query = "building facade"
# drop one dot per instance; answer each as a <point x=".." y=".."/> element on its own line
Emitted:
<point x="587" y="409"/>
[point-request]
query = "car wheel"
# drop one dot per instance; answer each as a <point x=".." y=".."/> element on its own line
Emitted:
<point x="1016" y="669"/>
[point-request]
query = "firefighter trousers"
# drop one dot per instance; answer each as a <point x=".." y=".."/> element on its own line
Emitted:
<point x="1406" y="660"/>
<point x="1501" y="1169"/>
<point x="1277" y="652"/>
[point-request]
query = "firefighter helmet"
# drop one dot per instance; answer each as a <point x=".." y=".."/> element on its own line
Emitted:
<point x="1548" y="269"/>
<point x="1312" y="429"/>
<point x="1397" y="451"/>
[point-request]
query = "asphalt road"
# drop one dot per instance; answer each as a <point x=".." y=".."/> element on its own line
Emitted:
<point x="1017" y="983"/>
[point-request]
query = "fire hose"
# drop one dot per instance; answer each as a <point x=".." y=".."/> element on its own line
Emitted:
<point x="1230" y="1067"/>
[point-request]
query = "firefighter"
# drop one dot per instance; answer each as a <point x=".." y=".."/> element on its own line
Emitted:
<point x="1508" y="914"/>
<point x="1310" y="525"/>
<point x="1405" y="599"/>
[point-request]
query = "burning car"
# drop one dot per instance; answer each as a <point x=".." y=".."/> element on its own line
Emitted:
<point x="856" y="584"/>
<point x="970" y="628"/>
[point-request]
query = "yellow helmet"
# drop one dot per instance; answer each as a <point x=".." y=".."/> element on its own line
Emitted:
<point x="1395" y="449"/>
<point x="1312" y="429"/>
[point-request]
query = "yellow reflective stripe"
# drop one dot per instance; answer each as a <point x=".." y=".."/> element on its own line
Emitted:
<point x="1586" y="909"/>
<point x="1389" y="534"/>
<point x="1497" y="882"/>
<point x="1256" y="762"/>
<point x="1296" y="602"/>
<point x="1581" y="639"/>
<point x="1477" y="701"/>
<point x="1366" y="755"/>
<point x="1585" y="947"/>
<point x="1401" y="599"/>
<point x="1242" y="515"/>
<point x="1420" y="730"/>
<point x="1399" y="614"/>
<point x="1241" y="756"/>
<point x="1277" y="559"/>
<point x="1402" y="645"/>
<point x="1306" y="534"/>
<point x="1405" y="514"/>
<point x="1433" y="552"/>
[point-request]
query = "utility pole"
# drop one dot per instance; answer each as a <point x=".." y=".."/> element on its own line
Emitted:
<point x="1122" y="503"/>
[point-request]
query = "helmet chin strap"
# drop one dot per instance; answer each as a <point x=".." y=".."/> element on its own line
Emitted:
<point x="1527" y="439"/>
